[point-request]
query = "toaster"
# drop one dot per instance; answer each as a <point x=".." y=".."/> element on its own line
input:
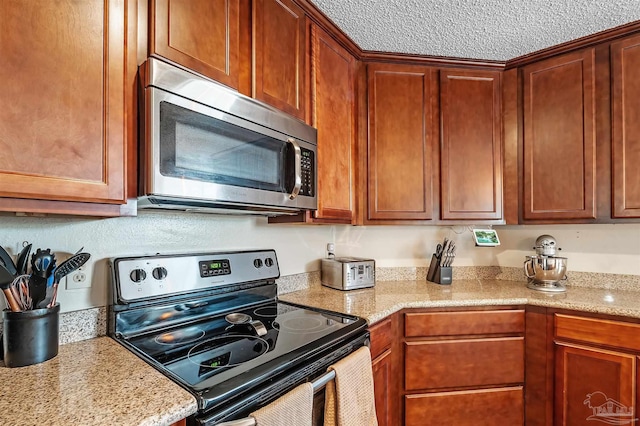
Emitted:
<point x="348" y="273"/>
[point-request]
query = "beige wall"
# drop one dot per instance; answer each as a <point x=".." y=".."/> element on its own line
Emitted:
<point x="590" y="248"/>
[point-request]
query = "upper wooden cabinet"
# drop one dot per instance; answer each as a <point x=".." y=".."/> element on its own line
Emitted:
<point x="625" y="92"/>
<point x="203" y="35"/>
<point x="65" y="124"/>
<point x="559" y="146"/>
<point x="400" y="144"/>
<point x="279" y="40"/>
<point x="333" y="114"/>
<point x="471" y="148"/>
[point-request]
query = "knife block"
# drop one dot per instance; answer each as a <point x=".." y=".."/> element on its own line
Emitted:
<point x="439" y="274"/>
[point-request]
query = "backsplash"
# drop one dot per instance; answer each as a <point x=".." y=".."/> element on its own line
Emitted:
<point x="612" y="249"/>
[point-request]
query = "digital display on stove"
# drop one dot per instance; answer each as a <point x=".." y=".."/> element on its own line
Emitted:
<point x="211" y="268"/>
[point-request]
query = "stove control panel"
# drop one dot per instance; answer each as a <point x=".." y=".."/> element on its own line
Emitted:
<point x="144" y="277"/>
<point x="209" y="268"/>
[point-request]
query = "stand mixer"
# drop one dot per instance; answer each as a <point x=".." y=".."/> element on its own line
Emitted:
<point x="545" y="270"/>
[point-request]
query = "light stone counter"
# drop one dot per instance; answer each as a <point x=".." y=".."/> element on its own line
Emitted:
<point x="93" y="382"/>
<point x="387" y="297"/>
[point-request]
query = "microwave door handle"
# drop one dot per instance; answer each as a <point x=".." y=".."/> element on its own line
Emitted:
<point x="297" y="168"/>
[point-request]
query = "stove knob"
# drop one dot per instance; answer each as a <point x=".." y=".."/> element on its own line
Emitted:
<point x="159" y="273"/>
<point x="138" y="275"/>
<point x="257" y="263"/>
<point x="268" y="262"/>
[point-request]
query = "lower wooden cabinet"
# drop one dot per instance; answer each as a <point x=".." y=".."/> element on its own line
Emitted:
<point x="464" y="367"/>
<point x="593" y="385"/>
<point x="382" y="383"/>
<point x="595" y="371"/>
<point x="498" y="406"/>
<point x="384" y="355"/>
<point x="581" y="370"/>
<point x="464" y="362"/>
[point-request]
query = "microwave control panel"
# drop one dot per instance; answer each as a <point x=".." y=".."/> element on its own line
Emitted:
<point x="307" y="167"/>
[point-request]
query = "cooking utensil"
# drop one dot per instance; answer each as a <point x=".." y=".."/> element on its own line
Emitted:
<point x="5" y="284"/>
<point x="42" y="265"/>
<point x="7" y="262"/>
<point x="65" y="268"/>
<point x="23" y="260"/>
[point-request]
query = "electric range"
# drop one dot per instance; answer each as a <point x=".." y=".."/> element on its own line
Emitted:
<point x="212" y="323"/>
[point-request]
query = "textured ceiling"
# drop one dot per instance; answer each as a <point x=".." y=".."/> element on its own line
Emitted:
<point x="493" y="29"/>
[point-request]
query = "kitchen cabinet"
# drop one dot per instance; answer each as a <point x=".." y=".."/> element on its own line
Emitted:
<point x="401" y="152"/>
<point x="625" y="92"/>
<point x="67" y="125"/>
<point x="333" y="114"/>
<point x="279" y="48"/>
<point x="332" y="110"/>
<point x="383" y="354"/>
<point x="559" y="146"/>
<point x="203" y="35"/>
<point x="463" y="365"/>
<point x="471" y="145"/>
<point x="595" y="370"/>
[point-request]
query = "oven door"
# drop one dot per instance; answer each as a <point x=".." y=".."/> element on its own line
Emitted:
<point x="236" y="412"/>
<point x="196" y="152"/>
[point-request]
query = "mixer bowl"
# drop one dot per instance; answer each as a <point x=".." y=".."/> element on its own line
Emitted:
<point x="545" y="269"/>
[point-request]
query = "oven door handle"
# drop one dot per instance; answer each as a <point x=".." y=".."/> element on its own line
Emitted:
<point x="297" y="167"/>
<point x="317" y="384"/>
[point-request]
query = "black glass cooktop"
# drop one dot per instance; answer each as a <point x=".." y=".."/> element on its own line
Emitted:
<point x="204" y="354"/>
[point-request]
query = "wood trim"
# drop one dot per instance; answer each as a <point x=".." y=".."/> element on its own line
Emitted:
<point x="29" y="207"/>
<point x="539" y="367"/>
<point x="587" y="41"/>
<point x="510" y="128"/>
<point x="426" y="60"/>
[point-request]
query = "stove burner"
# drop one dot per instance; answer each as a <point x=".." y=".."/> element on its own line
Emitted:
<point x="227" y="351"/>
<point x="302" y="325"/>
<point x="180" y="337"/>
<point x="268" y="311"/>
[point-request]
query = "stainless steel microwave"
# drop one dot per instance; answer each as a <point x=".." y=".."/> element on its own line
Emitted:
<point x="207" y="148"/>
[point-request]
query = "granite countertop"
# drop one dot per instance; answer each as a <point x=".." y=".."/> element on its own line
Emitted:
<point x="387" y="297"/>
<point x="92" y="382"/>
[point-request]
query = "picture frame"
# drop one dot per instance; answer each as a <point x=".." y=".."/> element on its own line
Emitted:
<point x="486" y="237"/>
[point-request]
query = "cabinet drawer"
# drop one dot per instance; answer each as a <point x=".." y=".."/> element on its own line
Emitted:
<point x="601" y="332"/>
<point x="469" y="362"/>
<point x="502" y="406"/>
<point x="381" y="336"/>
<point x="463" y="323"/>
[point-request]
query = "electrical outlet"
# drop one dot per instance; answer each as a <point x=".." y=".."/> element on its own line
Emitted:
<point x="77" y="279"/>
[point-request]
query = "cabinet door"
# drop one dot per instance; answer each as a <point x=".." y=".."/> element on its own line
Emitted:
<point x="593" y="385"/>
<point x="440" y="364"/>
<point x="203" y="35"/>
<point x="559" y="138"/>
<point x="400" y="154"/>
<point x="471" y="148"/>
<point x="498" y="406"/>
<point x="63" y="126"/>
<point x="382" y="386"/>
<point x="625" y="63"/>
<point x="333" y="114"/>
<point x="279" y="41"/>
